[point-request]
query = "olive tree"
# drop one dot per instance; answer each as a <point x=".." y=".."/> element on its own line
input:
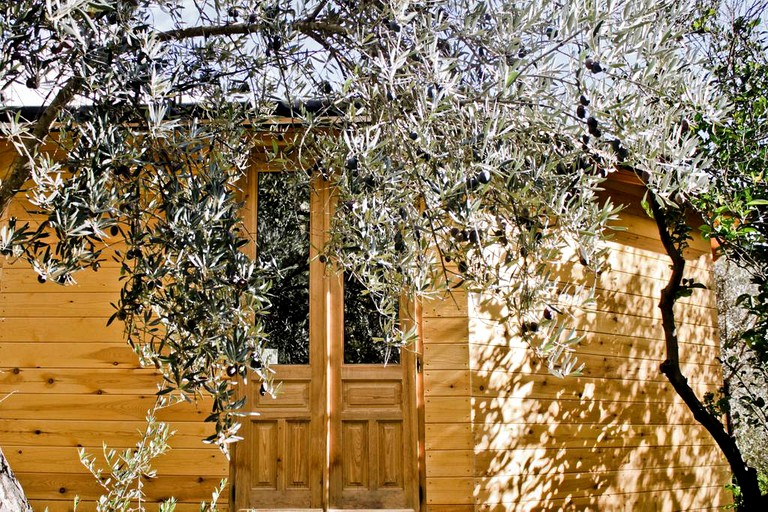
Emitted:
<point x="465" y="141"/>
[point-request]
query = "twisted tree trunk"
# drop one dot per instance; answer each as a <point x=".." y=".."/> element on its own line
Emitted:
<point x="12" y="498"/>
<point x="674" y="243"/>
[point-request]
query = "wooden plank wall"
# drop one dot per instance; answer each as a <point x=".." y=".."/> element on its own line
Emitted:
<point x="617" y="438"/>
<point x="70" y="382"/>
<point x="448" y="441"/>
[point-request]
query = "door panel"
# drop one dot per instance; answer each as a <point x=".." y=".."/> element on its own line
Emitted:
<point x="279" y="454"/>
<point x="372" y="450"/>
<point x="368" y="442"/>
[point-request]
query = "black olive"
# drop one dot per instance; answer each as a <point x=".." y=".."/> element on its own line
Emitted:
<point x="529" y="327"/>
<point x="413" y="135"/>
<point x="596" y="68"/>
<point x="548" y="314"/>
<point x="463" y="267"/>
<point x="41" y="279"/>
<point x="232" y="370"/>
<point x="484" y="177"/>
<point x="583" y="100"/>
<point x="113" y="231"/>
<point x="233" y="13"/>
<point x="352" y="163"/>
<point x="370" y="183"/>
<point x="581" y="111"/>
<point x="592" y="127"/>
<point x="262" y="389"/>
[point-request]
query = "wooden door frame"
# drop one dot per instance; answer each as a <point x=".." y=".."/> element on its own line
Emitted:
<point x="322" y="307"/>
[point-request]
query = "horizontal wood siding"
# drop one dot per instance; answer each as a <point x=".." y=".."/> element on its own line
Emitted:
<point x="499" y="432"/>
<point x="69" y="382"/>
<point x="616" y="438"/>
<point x="449" y="461"/>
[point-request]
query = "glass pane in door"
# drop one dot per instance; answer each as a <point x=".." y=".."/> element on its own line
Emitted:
<point x="363" y="324"/>
<point x="282" y="247"/>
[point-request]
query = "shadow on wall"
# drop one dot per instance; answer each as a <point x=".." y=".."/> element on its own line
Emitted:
<point x="616" y="438"/>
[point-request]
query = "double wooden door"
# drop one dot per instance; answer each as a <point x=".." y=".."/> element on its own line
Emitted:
<point x="339" y="434"/>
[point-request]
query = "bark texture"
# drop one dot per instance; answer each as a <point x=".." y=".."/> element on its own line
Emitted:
<point x="12" y="498"/>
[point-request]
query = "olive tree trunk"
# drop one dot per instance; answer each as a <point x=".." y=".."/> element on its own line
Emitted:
<point x="674" y="236"/>
<point x="12" y="497"/>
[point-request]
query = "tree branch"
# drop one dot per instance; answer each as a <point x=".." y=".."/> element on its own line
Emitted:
<point x="320" y="6"/>
<point x="246" y="28"/>
<point x="745" y="475"/>
<point x="21" y="170"/>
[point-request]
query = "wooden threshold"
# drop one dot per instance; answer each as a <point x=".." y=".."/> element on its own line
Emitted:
<point x="280" y="510"/>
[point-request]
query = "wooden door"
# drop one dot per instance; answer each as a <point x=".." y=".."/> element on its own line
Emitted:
<point x="282" y="459"/>
<point x="340" y="432"/>
<point x="372" y="445"/>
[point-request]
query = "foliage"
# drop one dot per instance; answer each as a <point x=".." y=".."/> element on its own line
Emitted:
<point x="127" y="470"/>
<point x="736" y="207"/>
<point x="466" y="142"/>
<point x="738" y="497"/>
<point x="737" y="204"/>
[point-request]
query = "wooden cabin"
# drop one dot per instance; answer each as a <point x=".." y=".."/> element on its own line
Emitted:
<point x="464" y="420"/>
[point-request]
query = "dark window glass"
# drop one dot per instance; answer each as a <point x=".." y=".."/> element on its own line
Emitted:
<point x="362" y="323"/>
<point x="282" y="244"/>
